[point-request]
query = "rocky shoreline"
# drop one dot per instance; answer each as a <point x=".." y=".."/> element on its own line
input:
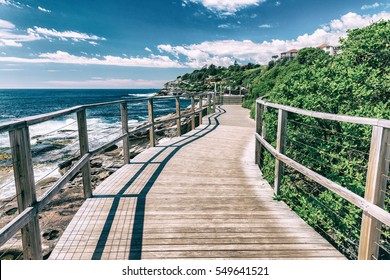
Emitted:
<point x="59" y="212"/>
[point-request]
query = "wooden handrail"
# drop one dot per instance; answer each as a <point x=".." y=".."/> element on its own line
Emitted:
<point x="372" y="203"/>
<point x="29" y="206"/>
<point x="328" y="116"/>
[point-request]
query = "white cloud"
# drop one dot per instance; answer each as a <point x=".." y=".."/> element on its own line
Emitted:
<point x="148" y="50"/>
<point x="10" y="69"/>
<point x="6" y="24"/>
<point x="372" y="6"/>
<point x="43" y="10"/>
<point x="98" y="82"/>
<point x="64" y="35"/>
<point x="228" y="6"/>
<point x="224" y="52"/>
<point x="265" y="26"/>
<point x="9" y="36"/>
<point x="153" y="61"/>
<point x="11" y="3"/>
<point x="278" y="3"/>
<point x="225" y="26"/>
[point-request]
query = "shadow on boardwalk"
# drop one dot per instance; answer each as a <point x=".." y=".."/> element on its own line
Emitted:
<point x="138" y="227"/>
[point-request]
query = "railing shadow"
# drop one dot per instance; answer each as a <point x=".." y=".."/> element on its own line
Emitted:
<point x="139" y="215"/>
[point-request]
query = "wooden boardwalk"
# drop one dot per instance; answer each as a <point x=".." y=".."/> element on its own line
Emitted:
<point x="196" y="196"/>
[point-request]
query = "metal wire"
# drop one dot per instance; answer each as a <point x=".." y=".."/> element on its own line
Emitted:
<point x="58" y="129"/>
<point x="326" y="165"/>
<point x="382" y="247"/>
<point x="303" y="178"/>
<point x="42" y="178"/>
<point x="328" y="130"/>
<point x="7" y="184"/>
<point x="341" y="218"/>
<point x="333" y="143"/>
<point x="9" y="248"/>
<point x="10" y="200"/>
<point x="322" y="152"/>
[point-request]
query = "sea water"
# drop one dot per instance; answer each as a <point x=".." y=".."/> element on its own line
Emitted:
<point x="56" y="140"/>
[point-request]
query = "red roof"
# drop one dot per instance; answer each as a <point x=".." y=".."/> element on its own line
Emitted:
<point x="324" y="46"/>
<point x="292" y="51"/>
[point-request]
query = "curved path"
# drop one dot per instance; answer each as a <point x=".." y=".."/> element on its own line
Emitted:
<point x="195" y="196"/>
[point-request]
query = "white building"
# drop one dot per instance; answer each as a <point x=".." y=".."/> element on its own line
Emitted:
<point x="328" y="49"/>
<point x="289" y="54"/>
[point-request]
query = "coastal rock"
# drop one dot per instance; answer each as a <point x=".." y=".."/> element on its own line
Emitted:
<point x="96" y="163"/>
<point x="46" y="181"/>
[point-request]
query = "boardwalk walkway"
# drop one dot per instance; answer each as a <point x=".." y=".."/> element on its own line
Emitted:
<point x="195" y="196"/>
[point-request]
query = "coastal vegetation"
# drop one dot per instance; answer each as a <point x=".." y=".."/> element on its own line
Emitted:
<point x="356" y="82"/>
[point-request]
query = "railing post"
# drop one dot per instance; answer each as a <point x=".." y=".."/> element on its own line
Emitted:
<point x="201" y="109"/>
<point x="281" y="148"/>
<point x="260" y="129"/>
<point x="259" y="121"/>
<point x="208" y="104"/>
<point x="178" y="115"/>
<point x="125" y="130"/>
<point x="192" y="112"/>
<point x="151" y="121"/>
<point x="214" y="100"/>
<point x="25" y="190"/>
<point x="84" y="148"/>
<point x="375" y="185"/>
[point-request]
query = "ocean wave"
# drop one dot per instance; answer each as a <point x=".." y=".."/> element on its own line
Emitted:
<point x="142" y="94"/>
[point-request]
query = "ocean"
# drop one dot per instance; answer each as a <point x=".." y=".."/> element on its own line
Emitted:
<point x="56" y="140"/>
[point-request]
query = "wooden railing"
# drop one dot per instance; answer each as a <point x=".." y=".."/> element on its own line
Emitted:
<point x="378" y="167"/>
<point x="29" y="205"/>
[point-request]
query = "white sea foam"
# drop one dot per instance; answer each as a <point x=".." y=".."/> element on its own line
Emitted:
<point x="58" y="132"/>
<point x="142" y="94"/>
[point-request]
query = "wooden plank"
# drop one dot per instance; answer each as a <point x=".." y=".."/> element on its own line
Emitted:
<point x="178" y="115"/>
<point x="332" y="117"/>
<point x="350" y="196"/>
<point x="152" y="138"/>
<point x="25" y="190"/>
<point x="258" y="255"/>
<point x="281" y="148"/>
<point x="125" y="130"/>
<point x="84" y="149"/>
<point x="375" y="185"/>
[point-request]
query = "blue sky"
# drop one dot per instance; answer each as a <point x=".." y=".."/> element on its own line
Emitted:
<point x="142" y="44"/>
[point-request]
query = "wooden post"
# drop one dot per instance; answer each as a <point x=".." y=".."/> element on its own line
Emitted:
<point x="25" y="190"/>
<point x="84" y="148"/>
<point x="201" y="109"/>
<point x="208" y="104"/>
<point x="125" y="130"/>
<point x="375" y="184"/>
<point x="151" y="121"/>
<point x="259" y="118"/>
<point x="213" y="102"/>
<point x="178" y="115"/>
<point x="193" y="112"/>
<point x="281" y="148"/>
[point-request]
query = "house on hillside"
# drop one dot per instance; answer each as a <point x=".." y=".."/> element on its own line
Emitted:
<point x="289" y="54"/>
<point x="332" y="50"/>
